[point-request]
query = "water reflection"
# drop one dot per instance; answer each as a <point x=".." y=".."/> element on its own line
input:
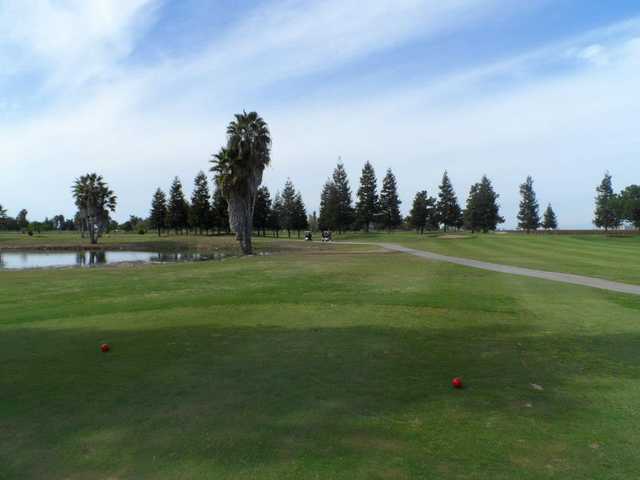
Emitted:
<point x="17" y="260"/>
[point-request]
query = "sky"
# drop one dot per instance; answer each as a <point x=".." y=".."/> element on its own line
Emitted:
<point x="142" y="90"/>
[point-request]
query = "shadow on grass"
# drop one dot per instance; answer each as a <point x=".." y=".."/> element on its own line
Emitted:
<point x="236" y="399"/>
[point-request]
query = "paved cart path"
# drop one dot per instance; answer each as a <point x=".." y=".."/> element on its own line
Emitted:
<point x="527" y="272"/>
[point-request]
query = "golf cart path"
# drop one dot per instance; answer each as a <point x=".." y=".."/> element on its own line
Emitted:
<point x="527" y="272"/>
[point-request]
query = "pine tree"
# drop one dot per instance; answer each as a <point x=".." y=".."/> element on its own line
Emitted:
<point x="389" y="202"/>
<point x="288" y="207"/>
<point x="482" y="211"/>
<point x="344" y="213"/>
<point x="607" y="213"/>
<point x="449" y="212"/>
<point x="630" y="204"/>
<point x="220" y="212"/>
<point x="200" y="212"/>
<point x="313" y="222"/>
<point x="367" y="203"/>
<point x="528" y="216"/>
<point x="262" y="210"/>
<point x="549" y="222"/>
<point x="300" y="221"/>
<point x="328" y="206"/>
<point x="275" y="221"/>
<point x="178" y="209"/>
<point x="418" y="214"/>
<point x="158" y="216"/>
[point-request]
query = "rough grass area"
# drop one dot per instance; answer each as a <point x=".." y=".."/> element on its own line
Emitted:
<point x="315" y="365"/>
<point x="613" y="257"/>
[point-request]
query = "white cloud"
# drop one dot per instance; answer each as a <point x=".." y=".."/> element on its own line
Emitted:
<point x="71" y="40"/>
<point x="147" y="124"/>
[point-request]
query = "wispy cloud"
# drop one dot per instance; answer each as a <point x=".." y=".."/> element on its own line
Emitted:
<point x="562" y="113"/>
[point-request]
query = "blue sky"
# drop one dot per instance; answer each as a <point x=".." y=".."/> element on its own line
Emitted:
<point x="141" y="91"/>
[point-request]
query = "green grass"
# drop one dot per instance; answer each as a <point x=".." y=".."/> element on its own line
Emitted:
<point x="609" y="257"/>
<point x="315" y="364"/>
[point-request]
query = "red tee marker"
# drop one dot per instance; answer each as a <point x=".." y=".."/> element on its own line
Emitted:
<point x="105" y="347"/>
<point x="456" y="382"/>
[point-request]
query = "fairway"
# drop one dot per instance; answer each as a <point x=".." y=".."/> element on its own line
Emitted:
<point x="612" y="257"/>
<point x="328" y="362"/>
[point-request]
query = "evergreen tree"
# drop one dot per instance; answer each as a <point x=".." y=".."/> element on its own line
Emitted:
<point x="158" y="216"/>
<point x="313" y="222"/>
<point x="449" y="212"/>
<point x="630" y="204"/>
<point x="178" y="209"/>
<point x="389" y="202"/>
<point x="288" y="207"/>
<point x="200" y="212"/>
<point x="328" y="206"/>
<point x="262" y="210"/>
<point x="22" y="221"/>
<point x="300" y="221"/>
<point x="344" y="211"/>
<point x="220" y="212"/>
<point x="275" y="221"/>
<point x="607" y="214"/>
<point x="528" y="216"/>
<point x="367" y="203"/>
<point x="549" y="220"/>
<point x="418" y="215"/>
<point x="482" y="212"/>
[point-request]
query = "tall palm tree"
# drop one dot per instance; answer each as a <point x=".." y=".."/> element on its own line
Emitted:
<point x="94" y="200"/>
<point x="238" y="169"/>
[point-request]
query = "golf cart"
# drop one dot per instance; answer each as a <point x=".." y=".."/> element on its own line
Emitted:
<point x="326" y="236"/>
<point x="308" y="237"/>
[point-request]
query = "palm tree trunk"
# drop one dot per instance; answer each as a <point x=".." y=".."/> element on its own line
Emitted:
<point x="241" y="218"/>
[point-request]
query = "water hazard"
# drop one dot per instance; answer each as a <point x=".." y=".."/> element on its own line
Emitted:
<point x="19" y="260"/>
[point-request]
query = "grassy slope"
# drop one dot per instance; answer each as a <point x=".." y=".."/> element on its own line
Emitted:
<point x="609" y="257"/>
<point x="315" y="366"/>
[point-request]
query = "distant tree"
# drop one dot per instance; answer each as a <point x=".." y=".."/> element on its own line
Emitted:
<point x="389" y="204"/>
<point x="275" y="219"/>
<point x="344" y="211"/>
<point x="528" y="215"/>
<point x="177" y="208"/>
<point x="238" y="171"/>
<point x="21" y="219"/>
<point x="482" y="211"/>
<point x="449" y="212"/>
<point x="262" y="210"/>
<point x="607" y="211"/>
<point x="630" y="204"/>
<point x="288" y="207"/>
<point x="328" y="206"/>
<point x="549" y="220"/>
<point x="200" y="211"/>
<point x="313" y="222"/>
<point x="59" y="222"/>
<point x="94" y="200"/>
<point x="159" y="212"/>
<point x="3" y="217"/>
<point x="220" y="212"/>
<point x="418" y="215"/>
<point x="300" y="221"/>
<point x="367" y="202"/>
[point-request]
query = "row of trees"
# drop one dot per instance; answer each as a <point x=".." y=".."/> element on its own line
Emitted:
<point x="373" y="210"/>
<point x="21" y="223"/>
<point x="204" y="213"/>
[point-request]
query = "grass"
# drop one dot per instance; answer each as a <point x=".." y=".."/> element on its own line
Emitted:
<point x="321" y="364"/>
<point x="595" y="255"/>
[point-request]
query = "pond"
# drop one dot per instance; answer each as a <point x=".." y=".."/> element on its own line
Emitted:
<point x="19" y="260"/>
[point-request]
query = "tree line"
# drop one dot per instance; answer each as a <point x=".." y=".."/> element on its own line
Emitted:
<point x="381" y="210"/>
<point x="241" y="205"/>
